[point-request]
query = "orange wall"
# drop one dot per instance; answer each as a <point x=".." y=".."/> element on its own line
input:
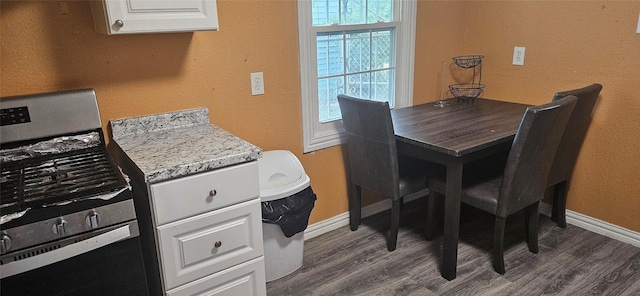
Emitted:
<point x="569" y="44"/>
<point x="52" y="45"/>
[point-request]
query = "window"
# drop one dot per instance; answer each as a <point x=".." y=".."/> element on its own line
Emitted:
<point x="362" y="48"/>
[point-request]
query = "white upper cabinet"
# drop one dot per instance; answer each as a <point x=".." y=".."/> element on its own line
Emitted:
<point x="154" y="16"/>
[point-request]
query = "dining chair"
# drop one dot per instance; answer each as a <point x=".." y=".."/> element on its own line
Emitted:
<point x="374" y="163"/>
<point x="569" y="147"/>
<point x="522" y="182"/>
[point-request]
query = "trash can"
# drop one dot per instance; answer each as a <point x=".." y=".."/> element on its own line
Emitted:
<point x="286" y="205"/>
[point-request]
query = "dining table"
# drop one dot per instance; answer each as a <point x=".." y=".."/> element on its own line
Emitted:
<point x="453" y="132"/>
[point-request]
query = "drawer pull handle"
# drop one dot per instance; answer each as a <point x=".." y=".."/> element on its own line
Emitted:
<point x="213" y="193"/>
<point x="217" y="244"/>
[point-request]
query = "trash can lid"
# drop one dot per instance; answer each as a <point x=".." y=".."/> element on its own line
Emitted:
<point x="280" y="174"/>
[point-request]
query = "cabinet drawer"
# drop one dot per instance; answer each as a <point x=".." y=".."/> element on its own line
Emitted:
<point x="246" y="279"/>
<point x="205" y="244"/>
<point x="192" y="195"/>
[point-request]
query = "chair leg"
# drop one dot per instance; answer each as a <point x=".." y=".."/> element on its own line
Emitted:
<point x="498" y="245"/>
<point x="558" y="212"/>
<point x="355" y="209"/>
<point x="531" y="227"/>
<point x="431" y="219"/>
<point x="395" y="224"/>
<point x="554" y="205"/>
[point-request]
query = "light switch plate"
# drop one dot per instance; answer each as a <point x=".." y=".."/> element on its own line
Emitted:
<point x="638" y="29"/>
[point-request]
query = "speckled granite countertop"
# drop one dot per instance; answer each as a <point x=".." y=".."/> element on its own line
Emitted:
<point x="171" y="145"/>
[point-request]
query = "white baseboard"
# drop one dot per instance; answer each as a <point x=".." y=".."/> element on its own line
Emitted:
<point x="341" y="220"/>
<point x="598" y="226"/>
<point x="574" y="218"/>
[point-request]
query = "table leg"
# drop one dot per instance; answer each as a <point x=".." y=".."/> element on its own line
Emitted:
<point x="452" y="219"/>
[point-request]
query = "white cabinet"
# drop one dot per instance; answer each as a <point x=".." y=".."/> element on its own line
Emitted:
<point x="206" y="192"/>
<point x="241" y="280"/>
<point x="205" y="244"/>
<point x="208" y="230"/>
<point x="154" y="16"/>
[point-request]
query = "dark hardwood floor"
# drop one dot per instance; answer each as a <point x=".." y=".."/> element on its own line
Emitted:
<point x="571" y="261"/>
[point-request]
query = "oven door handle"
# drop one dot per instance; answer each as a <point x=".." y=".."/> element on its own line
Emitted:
<point x="81" y="247"/>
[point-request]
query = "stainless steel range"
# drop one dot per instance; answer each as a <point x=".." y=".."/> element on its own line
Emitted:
<point x="68" y="221"/>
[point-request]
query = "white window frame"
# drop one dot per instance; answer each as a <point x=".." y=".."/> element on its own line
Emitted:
<point x="317" y="135"/>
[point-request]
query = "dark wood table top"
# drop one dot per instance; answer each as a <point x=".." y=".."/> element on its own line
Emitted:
<point x="459" y="127"/>
<point x="452" y="134"/>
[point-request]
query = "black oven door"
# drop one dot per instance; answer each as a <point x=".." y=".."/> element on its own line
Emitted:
<point x="113" y="269"/>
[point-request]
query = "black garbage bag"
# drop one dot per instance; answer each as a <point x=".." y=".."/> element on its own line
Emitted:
<point x="290" y="213"/>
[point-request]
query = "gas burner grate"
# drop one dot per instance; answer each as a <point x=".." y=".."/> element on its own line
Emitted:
<point x="58" y="178"/>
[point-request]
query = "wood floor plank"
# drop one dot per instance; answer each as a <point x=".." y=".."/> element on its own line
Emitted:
<point x="614" y="275"/>
<point x="555" y="277"/>
<point x="571" y="261"/>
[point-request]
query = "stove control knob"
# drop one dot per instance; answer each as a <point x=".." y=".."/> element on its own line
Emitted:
<point x="5" y="243"/>
<point x="60" y="227"/>
<point x="93" y="219"/>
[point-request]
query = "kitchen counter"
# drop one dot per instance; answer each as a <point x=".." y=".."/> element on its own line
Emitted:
<point x="197" y="197"/>
<point x="176" y="144"/>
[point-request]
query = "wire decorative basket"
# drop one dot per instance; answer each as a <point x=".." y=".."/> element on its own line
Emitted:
<point x="469" y="61"/>
<point x="466" y="91"/>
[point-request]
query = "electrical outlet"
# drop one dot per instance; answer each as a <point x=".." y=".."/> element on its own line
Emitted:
<point x="518" y="56"/>
<point x="257" y="84"/>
